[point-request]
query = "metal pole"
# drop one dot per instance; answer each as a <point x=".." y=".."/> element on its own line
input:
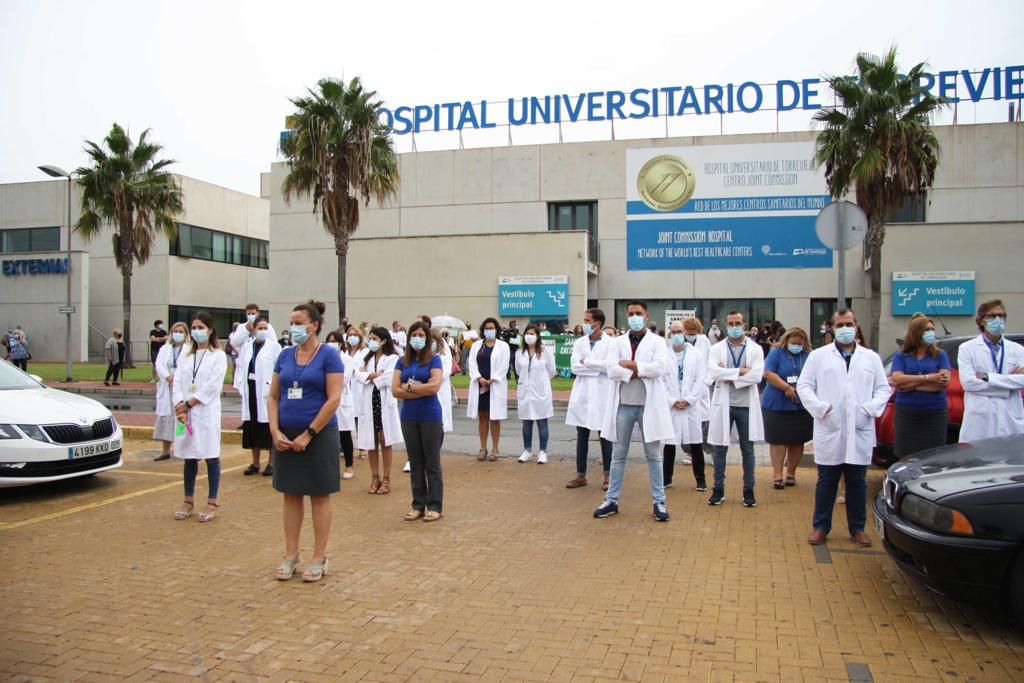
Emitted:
<point x="841" y="294"/>
<point x="67" y="349"/>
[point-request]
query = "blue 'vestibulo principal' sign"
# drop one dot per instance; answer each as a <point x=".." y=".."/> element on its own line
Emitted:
<point x="533" y="296"/>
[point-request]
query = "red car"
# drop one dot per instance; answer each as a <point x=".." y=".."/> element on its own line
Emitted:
<point x="885" y="425"/>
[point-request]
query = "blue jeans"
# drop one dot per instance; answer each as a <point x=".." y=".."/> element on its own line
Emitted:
<point x="192" y="471"/>
<point x="542" y="427"/>
<point x="583" y="451"/>
<point x="741" y="418"/>
<point x="624" y="421"/>
<point x="856" y="496"/>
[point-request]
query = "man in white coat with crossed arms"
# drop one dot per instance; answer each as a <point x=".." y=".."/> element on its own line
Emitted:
<point x="844" y="388"/>
<point x="589" y="397"/>
<point x="992" y="374"/>
<point x="635" y="363"/>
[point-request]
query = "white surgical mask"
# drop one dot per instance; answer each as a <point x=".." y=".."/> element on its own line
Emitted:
<point x="735" y="332"/>
<point x="251" y="317"/>
<point x="200" y="336"/>
<point x="530" y="338"/>
<point x="795" y="349"/>
<point x="417" y="343"/>
<point x="636" y="322"/>
<point x="690" y="337"/>
<point x="490" y="333"/>
<point x="299" y="333"/>
<point x="678" y="339"/>
<point x="928" y="337"/>
<point x="261" y="335"/>
<point x="846" y="335"/>
<point x="588" y="329"/>
<point x="373" y="345"/>
<point x="178" y="337"/>
<point x="353" y="340"/>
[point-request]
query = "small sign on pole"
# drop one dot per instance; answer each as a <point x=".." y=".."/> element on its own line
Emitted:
<point x="64" y="310"/>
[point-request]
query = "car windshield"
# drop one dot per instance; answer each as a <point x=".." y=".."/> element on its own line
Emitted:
<point x="13" y="378"/>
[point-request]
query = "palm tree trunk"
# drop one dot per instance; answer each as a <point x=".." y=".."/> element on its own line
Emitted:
<point x="126" y="305"/>
<point x="341" y="249"/>
<point x="873" y="246"/>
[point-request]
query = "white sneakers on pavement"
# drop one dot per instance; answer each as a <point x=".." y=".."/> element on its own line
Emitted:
<point x="407" y="468"/>
<point x="542" y="458"/>
<point x="526" y="456"/>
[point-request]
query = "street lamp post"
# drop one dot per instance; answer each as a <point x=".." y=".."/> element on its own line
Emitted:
<point x="57" y="172"/>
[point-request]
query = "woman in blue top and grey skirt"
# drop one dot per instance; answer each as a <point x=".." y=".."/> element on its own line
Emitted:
<point x="920" y="373"/>
<point x="304" y="395"/>
<point x="787" y="424"/>
<point x="416" y="380"/>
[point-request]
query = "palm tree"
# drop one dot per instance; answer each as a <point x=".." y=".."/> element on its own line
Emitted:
<point x="127" y="187"/>
<point x="339" y="152"/>
<point x="877" y="140"/>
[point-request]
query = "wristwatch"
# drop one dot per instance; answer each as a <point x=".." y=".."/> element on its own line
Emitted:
<point x="311" y="431"/>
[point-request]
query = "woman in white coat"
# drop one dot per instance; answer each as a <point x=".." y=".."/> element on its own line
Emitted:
<point x="198" y="383"/>
<point x="992" y="374"/>
<point x="380" y="426"/>
<point x="353" y="355"/>
<point x="352" y="350"/>
<point x="444" y="394"/>
<point x="535" y="366"/>
<point x="254" y="371"/>
<point x="684" y="390"/>
<point x="164" y="366"/>
<point x="488" y="386"/>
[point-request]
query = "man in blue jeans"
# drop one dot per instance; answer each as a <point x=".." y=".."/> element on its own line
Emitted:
<point x="844" y="388"/>
<point x="736" y="365"/>
<point x="635" y="363"/>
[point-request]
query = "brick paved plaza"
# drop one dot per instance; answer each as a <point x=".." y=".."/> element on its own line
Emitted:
<point x="517" y="583"/>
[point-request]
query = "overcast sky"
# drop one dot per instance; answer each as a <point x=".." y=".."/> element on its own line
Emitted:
<point x="212" y="78"/>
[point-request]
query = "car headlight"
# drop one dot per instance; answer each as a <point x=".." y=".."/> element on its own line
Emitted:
<point x="8" y="432"/>
<point x="34" y="432"/>
<point x="934" y="516"/>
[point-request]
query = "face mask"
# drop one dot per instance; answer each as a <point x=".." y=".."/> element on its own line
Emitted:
<point x="160" y="327"/>
<point x="200" y="336"/>
<point x="261" y="335"/>
<point x="678" y="339"/>
<point x="795" y="349"/>
<point x="178" y="337"/>
<point x="823" y="330"/>
<point x="333" y="345"/>
<point x="251" y="317"/>
<point x="373" y="345"/>
<point x="417" y="343"/>
<point x="995" y="326"/>
<point x="490" y="333"/>
<point x="353" y="340"/>
<point x="588" y="329"/>
<point x="846" y="335"/>
<point x="690" y="337"/>
<point x="530" y="338"/>
<point x="298" y="333"/>
<point x="928" y="337"/>
<point x="735" y="332"/>
<point x="636" y="322"/>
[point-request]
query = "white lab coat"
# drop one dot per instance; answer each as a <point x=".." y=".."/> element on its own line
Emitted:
<point x="992" y="408"/>
<point x="652" y="362"/>
<point x="388" y="403"/>
<point x="210" y="369"/>
<point x="721" y="374"/>
<point x="704" y="346"/>
<point x="264" y="375"/>
<point x="499" y="380"/>
<point x="240" y="336"/>
<point x="686" y="422"/>
<point x="164" y="368"/>
<point x="857" y="396"/>
<point x="533" y="392"/>
<point x="346" y="412"/>
<point x="444" y="394"/>
<point x="589" y="397"/>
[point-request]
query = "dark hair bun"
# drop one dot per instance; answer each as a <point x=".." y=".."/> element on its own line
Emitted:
<point x="318" y="305"/>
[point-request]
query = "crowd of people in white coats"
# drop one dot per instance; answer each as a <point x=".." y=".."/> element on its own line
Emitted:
<point x="301" y="404"/>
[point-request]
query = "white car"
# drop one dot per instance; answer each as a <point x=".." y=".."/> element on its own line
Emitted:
<point x="47" y="434"/>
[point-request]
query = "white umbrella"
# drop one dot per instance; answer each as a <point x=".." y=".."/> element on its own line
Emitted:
<point x="449" y="321"/>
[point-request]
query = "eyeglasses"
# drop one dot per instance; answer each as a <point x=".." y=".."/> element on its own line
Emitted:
<point x="996" y="316"/>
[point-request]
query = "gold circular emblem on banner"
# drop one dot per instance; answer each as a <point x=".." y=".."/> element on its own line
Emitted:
<point x="665" y="183"/>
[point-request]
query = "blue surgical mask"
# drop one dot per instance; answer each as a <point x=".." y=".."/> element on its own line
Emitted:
<point x="928" y="337"/>
<point x="690" y="337"/>
<point x="588" y="329"/>
<point x="846" y="335"/>
<point x="735" y="332"/>
<point x="200" y="336"/>
<point x="678" y="339"/>
<point x="490" y="333"/>
<point x="995" y="326"/>
<point x="636" y="322"/>
<point x="251" y="317"/>
<point x="353" y="340"/>
<point x="261" y="335"/>
<point x="795" y="349"/>
<point x="178" y="337"/>
<point x="417" y="343"/>
<point x="373" y="345"/>
<point x="298" y="333"/>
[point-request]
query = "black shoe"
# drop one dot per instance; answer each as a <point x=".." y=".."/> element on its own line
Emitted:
<point x="660" y="512"/>
<point x="606" y="509"/>
<point x="268" y="471"/>
<point x="106" y="383"/>
<point x="717" y="496"/>
<point x="702" y="485"/>
<point x="748" y="498"/>
<point x="251" y="469"/>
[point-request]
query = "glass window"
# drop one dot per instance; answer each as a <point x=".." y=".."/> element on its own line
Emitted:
<point x="911" y="211"/>
<point x="573" y="216"/>
<point x="213" y="245"/>
<point x="202" y="243"/>
<point x="17" y="240"/>
<point x="219" y="246"/>
<point x="45" y="239"/>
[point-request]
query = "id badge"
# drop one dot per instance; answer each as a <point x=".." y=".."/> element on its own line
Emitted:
<point x="792" y="379"/>
<point x="192" y="388"/>
<point x="295" y="391"/>
<point x="252" y="376"/>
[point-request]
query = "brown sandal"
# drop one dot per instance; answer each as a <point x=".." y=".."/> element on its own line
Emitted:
<point x="482" y="455"/>
<point x="374" y="484"/>
<point x="493" y="455"/>
<point x="385" y="486"/>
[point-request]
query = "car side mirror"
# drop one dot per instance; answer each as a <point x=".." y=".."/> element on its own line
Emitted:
<point x="37" y="378"/>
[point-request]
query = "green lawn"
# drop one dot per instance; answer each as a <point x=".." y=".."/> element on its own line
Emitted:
<point x="557" y="384"/>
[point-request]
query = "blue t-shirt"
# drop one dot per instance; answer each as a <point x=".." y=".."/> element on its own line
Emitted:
<point x="428" y="408"/>
<point x="299" y="413"/>
<point x="909" y="364"/>
<point x="785" y="365"/>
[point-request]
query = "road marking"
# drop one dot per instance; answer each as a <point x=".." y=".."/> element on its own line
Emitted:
<point x="153" y="474"/>
<point x="7" y="526"/>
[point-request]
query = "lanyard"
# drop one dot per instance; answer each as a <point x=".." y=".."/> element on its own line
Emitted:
<point x="302" y="368"/>
<point x="998" y="352"/>
<point x="176" y="351"/>
<point x="737" y="360"/>
<point x="682" y="362"/>
<point x="798" y="367"/>
<point x="195" y="368"/>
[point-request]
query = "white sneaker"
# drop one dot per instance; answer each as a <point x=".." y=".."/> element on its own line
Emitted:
<point x="525" y="457"/>
<point x="407" y="468"/>
<point x="542" y="458"/>
<point x="348" y="474"/>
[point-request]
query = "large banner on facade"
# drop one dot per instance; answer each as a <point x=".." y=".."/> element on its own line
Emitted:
<point x="723" y="207"/>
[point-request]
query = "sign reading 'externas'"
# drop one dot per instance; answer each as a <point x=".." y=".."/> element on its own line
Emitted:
<point x="35" y="266"/>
